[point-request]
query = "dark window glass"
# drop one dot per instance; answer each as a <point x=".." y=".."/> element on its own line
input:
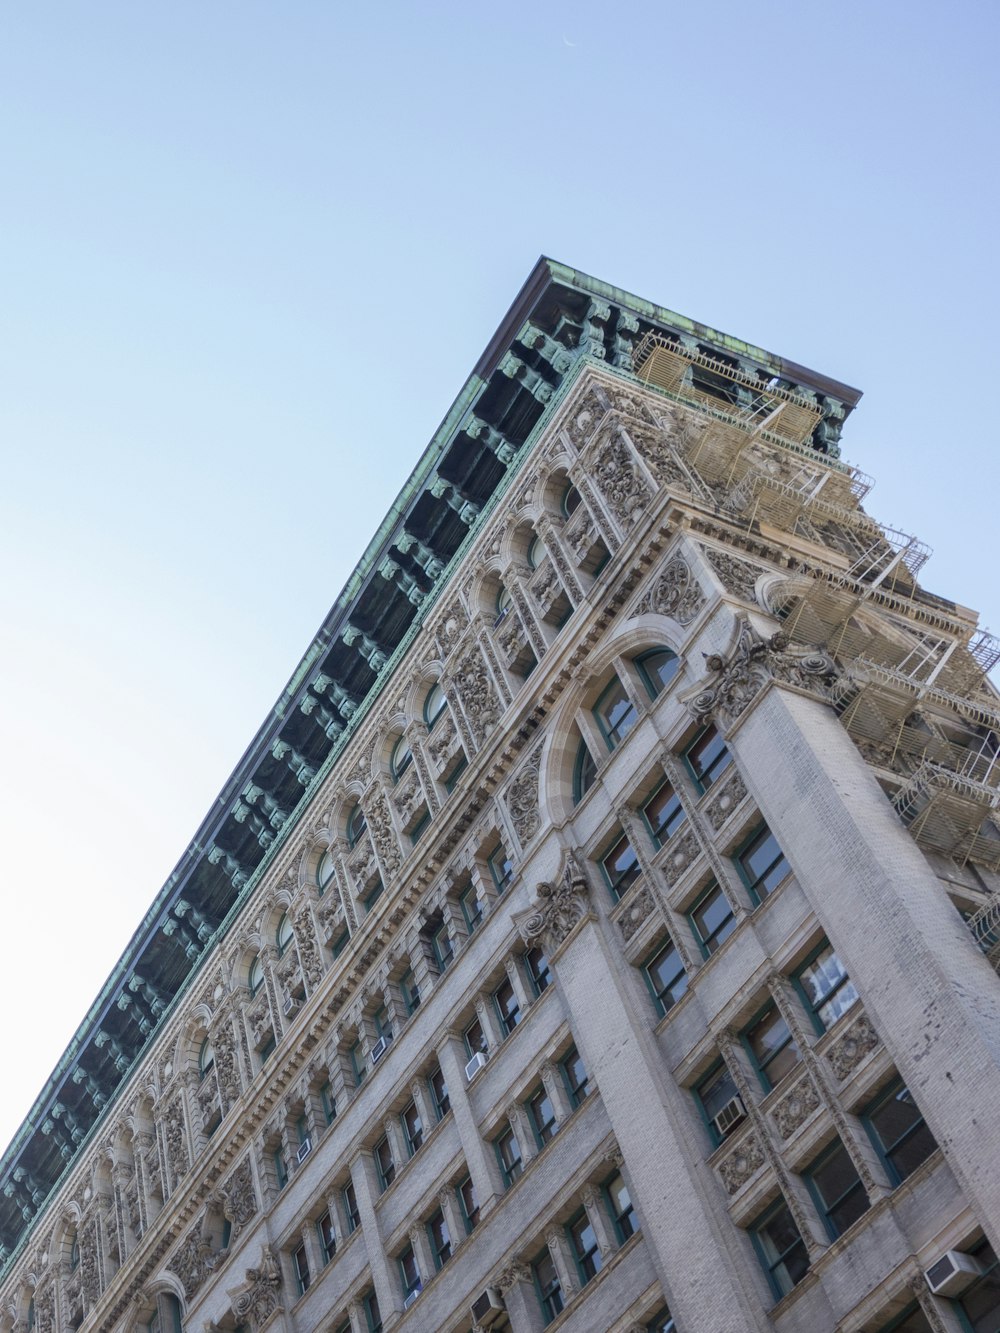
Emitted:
<point x="586" y="1251"/>
<point x="620" y="867"/>
<point x="507" y="1007"/>
<point x="716" y="1094"/>
<point x="356" y="825"/>
<point x="437" y="1232"/>
<point x="351" y="1214"/>
<point x="782" y="1250"/>
<point x="543" y="1117"/>
<point x="620" y="1204"/>
<point x="280" y="1169"/>
<point x="373" y="896"/>
<point x="762" y="864"/>
<point x="509" y="1155"/>
<point x="838" y="1190"/>
<point x="410" y="1272"/>
<point x="402" y="758"/>
<point x="441" y="944"/>
<point x="501" y="867"/>
<point x="384" y="1164"/>
<point x="657" y="669"/>
<point x="615" y="713"/>
<point x="328" y="1103"/>
<point x="899" y="1132"/>
<point x="327" y="1238"/>
<point x="373" y="1316"/>
<point x="661" y="1322"/>
<point x="472" y="911"/>
<point x="300" y="1263"/>
<point x="772" y="1046"/>
<point x="584" y="773"/>
<point x="549" y="1290"/>
<point x="410" y="991"/>
<point x="537" y="966"/>
<point x="357" y="1064"/>
<point x="413" y="1129"/>
<point x="666" y="977"/>
<point x="707" y="757"/>
<point x="663" y="814"/>
<point x="713" y="920"/>
<point x="470" y="1203"/>
<point x="439" y="1094"/>
<point x="981" y="1302"/>
<point x="474" y="1038"/>
<point x="575" y="1074"/>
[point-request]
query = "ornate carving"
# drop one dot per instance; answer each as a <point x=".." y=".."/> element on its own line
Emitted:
<point x="558" y="909"/>
<point x="795" y="1107"/>
<point x="545" y="586"/>
<point x="478" y="696"/>
<point x="737" y="576"/>
<point x="239" y="1197"/>
<point x="616" y="474"/>
<point x="451" y="627"/>
<point x="255" y="1304"/>
<point x="522" y="799"/>
<point x="193" y="1262"/>
<point x="174" y="1141"/>
<point x="587" y="416"/>
<point x="312" y="966"/>
<point x="407" y="795"/>
<point x="684" y="849"/>
<point x="676" y="593"/>
<point x="381" y="830"/>
<point x="849" y="1050"/>
<point x="744" y="1161"/>
<point x="639" y="909"/>
<point x="722" y="806"/>
<point x="511" y="1275"/>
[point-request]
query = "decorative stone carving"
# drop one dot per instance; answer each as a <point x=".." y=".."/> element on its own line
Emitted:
<point x="545" y="586"/>
<point x="255" y="1304"/>
<point x="173" y="1140"/>
<point x="477" y="694"/>
<point x="684" y="849"/>
<point x="744" y="1161"/>
<point x="511" y="637"/>
<point x="193" y="1262"/>
<point x="639" y="908"/>
<point x="616" y="474"/>
<point x="380" y="828"/>
<point x="511" y="1275"/>
<point x="559" y="908"/>
<point x="737" y="576"/>
<point x="312" y="967"/>
<point x="732" y="793"/>
<point x="795" y="1107"/>
<point x="849" y="1050"/>
<point x="676" y="593"/>
<point x="407" y="795"/>
<point x="522" y="799"/>
<point x="451" y="627"/>
<point x="587" y="416"/>
<point x="226" y="1070"/>
<point x="239" y="1197"/>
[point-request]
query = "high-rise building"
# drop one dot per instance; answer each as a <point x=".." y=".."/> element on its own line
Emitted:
<point x="599" y="933"/>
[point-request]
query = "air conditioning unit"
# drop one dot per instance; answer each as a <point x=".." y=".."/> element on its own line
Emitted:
<point x="952" y="1273"/>
<point x="412" y="1297"/>
<point x="487" y="1307"/>
<point x="378" y="1050"/>
<point x="304" y="1149"/>
<point x="290" y="1005"/>
<point x="729" y="1117"/>
<point x="475" y="1064"/>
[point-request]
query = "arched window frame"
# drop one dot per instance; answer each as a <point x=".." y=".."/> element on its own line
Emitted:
<point x="206" y="1056"/>
<point x="255" y="975"/>
<point x="401" y="758"/>
<point x="434" y="704"/>
<point x="356" y="824"/>
<point x="584" y="772"/>
<point x="324" y="871"/>
<point x="655" y="684"/>
<point x="283" y="934"/>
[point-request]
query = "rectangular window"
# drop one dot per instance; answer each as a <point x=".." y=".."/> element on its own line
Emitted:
<point x="472" y="911"/>
<point x="340" y="943"/>
<point x="661" y="1322"/>
<point x="266" y="1051"/>
<point x="707" y="758"/>
<point x="410" y="992"/>
<point x="419" y="827"/>
<point x="352" y="1217"/>
<point x="575" y="1077"/>
<point x="586" y="1251"/>
<point x="441" y="944"/>
<point x="439" y="1093"/>
<point x="615" y="713"/>
<point x="542" y="1116"/>
<point x="327" y="1238"/>
<point x="826" y="988"/>
<point x="383" y="1028"/>
<point x="372" y="898"/>
<point x="620" y="1207"/>
<point x="358" y="1068"/>
<point x="474" y="1038"/>
<point x="456" y="771"/>
<point x="897" y="1129"/>
<point x="384" y="1165"/>
<point x="280" y="1169"/>
<point x="469" y="1202"/>
<point x="507" y="1007"/>
<point x="413" y="1130"/>
<point x="720" y="1103"/>
<point x="437" y="1234"/>
<point x="409" y="1272"/>
<point x="547" y="1285"/>
<point x="509" y="1157"/>
<point x="837" y="1189"/>
<point x="772" y="1047"/>
<point x="980" y="1303"/>
<point x="501" y="867"/>
<point x="373" y="1317"/>
<point x="620" y="867"/>
<point x="781" y="1249"/>
<point x="666" y="977"/>
<point x="537" y="967"/>
<point x="328" y="1103"/>
<point x="712" y="920"/>
<point x="762" y="864"/>
<point x="300" y="1265"/>
<point x="663" y="814"/>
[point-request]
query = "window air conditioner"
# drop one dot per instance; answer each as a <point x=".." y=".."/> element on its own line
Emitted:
<point x="475" y="1064"/>
<point x="290" y="1005"/>
<point x="412" y="1297"/>
<point x="378" y="1050"/>
<point x="952" y="1273"/>
<point x="304" y="1149"/>
<point x="487" y="1307"/>
<point x="729" y="1117"/>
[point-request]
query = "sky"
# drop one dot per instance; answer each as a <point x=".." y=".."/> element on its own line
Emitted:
<point x="250" y="253"/>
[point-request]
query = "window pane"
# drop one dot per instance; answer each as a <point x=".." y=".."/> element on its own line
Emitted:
<point x="667" y="976"/>
<point x="981" y="1303"/>
<point x="708" y="757"/>
<point x="773" y="1048"/>
<point x="507" y="1007"/>
<point x="828" y="987"/>
<point x="664" y="814"/>
<point x="783" y="1249"/>
<point x="621" y="1207"/>
<point x="615" y="713"/>
<point x="905" y="1139"/>
<point x="538" y="969"/>
<point x="841" y="1194"/>
<point x="658" y="669"/>
<point x="621" y="867"/>
<point x="714" y="920"/>
<point x="716" y="1091"/>
<point x="542" y="1116"/>
<point x="576" y="1078"/>
<point x="588" y="1254"/>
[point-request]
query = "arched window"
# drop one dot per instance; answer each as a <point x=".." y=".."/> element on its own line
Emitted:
<point x="356" y="825"/>
<point x="324" y="872"/>
<point x="31" y="1315"/>
<point x="74" y="1253"/>
<point x="434" y="704"/>
<point x="206" y="1057"/>
<point x="615" y="713"/>
<point x="570" y="500"/>
<point x="504" y="602"/>
<point x="657" y="668"/>
<point x="283" y="935"/>
<point x="536" y="551"/>
<point x="584" y="773"/>
<point x="401" y="758"/>
<point x="255" y="977"/>
<point x="167" y="1315"/>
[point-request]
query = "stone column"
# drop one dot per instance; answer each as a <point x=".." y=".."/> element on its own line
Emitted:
<point x="479" y="1156"/>
<point x="365" y="1180"/>
<point x="517" y="1288"/>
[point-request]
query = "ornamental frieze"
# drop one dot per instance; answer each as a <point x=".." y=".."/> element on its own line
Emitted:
<point x="732" y="793"/>
<point x="848" y="1051"/>
<point x="744" y="1161"/>
<point x="640" y="908"/>
<point x="617" y="475"/>
<point x="472" y="682"/>
<point x="522" y="799"/>
<point x="736" y="576"/>
<point x="675" y="593"/>
<point x="795" y="1107"/>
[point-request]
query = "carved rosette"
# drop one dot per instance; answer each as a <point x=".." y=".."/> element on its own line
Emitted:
<point x="849" y="1050"/>
<point x="683" y="851"/>
<point x="795" y="1107"/>
<point x="722" y="806"/>
<point x="675" y="593"/>
<point x="522" y="799"/>
<point x="559" y="907"/>
<point x="744" y="1161"/>
<point x="639" y="909"/>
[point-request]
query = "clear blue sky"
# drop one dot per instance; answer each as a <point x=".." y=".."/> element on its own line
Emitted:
<point x="250" y="253"/>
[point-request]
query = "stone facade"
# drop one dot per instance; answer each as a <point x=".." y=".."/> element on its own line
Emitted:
<point x="463" y="1039"/>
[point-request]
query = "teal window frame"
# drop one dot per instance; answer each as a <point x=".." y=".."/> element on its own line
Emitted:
<point x="539" y="972"/>
<point x="780" y="1286"/>
<point x="280" y="1168"/>
<point x="441" y="1247"/>
<point x="548" y="1287"/>
<point x="429" y="717"/>
<point x="400" y="762"/>
<point x="444" y="954"/>
<point x="373" y="1315"/>
<point x="614" y="732"/>
<point x="300" y="1268"/>
<point x="827" y="1208"/>
<point x="349" y="1200"/>
<point x="665" y="828"/>
<point x="991" y="1276"/>
<point x="718" y="1071"/>
<point x="814" y="1006"/>
<point x="409" y="1272"/>
<point x="512" y="1169"/>
<point x="359" y="1067"/>
<point x="413" y="1128"/>
<point x="357" y="824"/>
<point x="897" y="1091"/>
<point x="328" y="1103"/>
<point x="420" y="828"/>
<point x="762" y="885"/>
<point x="206" y="1057"/>
<point x="255" y="975"/>
<point x="666" y="996"/>
<point x="468" y="1203"/>
<point x="624" y="1220"/>
<point x="544" y="1127"/>
<point x="584" y="772"/>
<point x="577" y="1090"/>
<point x="707" y="775"/>
<point x="282" y="939"/>
<point x="503" y="875"/>
<point x="714" y="940"/>
<point x="326" y="1235"/>
<point x="372" y="896"/>
<point x="470" y="1049"/>
<point x="410" y="992"/>
<point x="323" y="881"/>
<point x="619" y="883"/>
<point x="455" y="772"/>
<point x="385" y="1166"/>
<point x="656" y="686"/>
<point x="510" y="1016"/>
<point x="473" y="919"/>
<point x="340" y="943"/>
<point x="440" y="1097"/>
<point x="301" y="1129"/>
<point x="762" y="1067"/>
<point x="266" y="1050"/>
<point x="586" y="1252"/>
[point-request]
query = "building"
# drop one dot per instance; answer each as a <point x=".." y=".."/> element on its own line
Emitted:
<point x="600" y="930"/>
